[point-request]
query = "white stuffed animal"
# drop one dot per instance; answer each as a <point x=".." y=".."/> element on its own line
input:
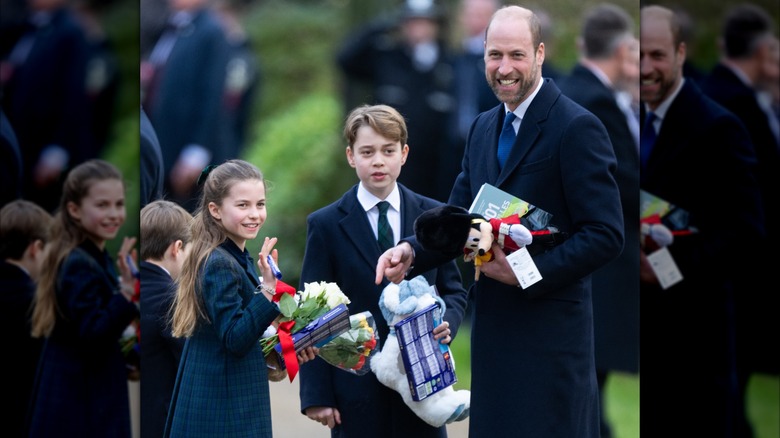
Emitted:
<point x="397" y="302"/>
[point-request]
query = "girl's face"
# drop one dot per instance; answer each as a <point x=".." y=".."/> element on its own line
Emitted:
<point x="377" y="160"/>
<point x="242" y="212"/>
<point x="102" y="211"/>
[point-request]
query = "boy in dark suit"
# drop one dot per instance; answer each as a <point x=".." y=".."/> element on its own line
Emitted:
<point x="165" y="238"/>
<point x="24" y="231"/>
<point x="342" y="247"/>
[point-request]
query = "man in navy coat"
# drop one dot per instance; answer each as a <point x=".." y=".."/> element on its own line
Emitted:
<point x="750" y="62"/>
<point x="687" y="343"/>
<point x="532" y="355"/>
<point x="609" y="60"/>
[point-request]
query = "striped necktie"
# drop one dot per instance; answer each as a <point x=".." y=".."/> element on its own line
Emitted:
<point x="384" y="230"/>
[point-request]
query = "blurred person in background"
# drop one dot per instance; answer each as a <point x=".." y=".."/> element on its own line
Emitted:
<point x="102" y="78"/>
<point x="689" y="37"/>
<point x="183" y="84"/>
<point x="687" y="363"/>
<point x="473" y="92"/>
<point x="152" y="168"/>
<point x="608" y="62"/>
<point x="749" y="63"/>
<point x="24" y="233"/>
<point x="43" y="68"/>
<point x="243" y="75"/>
<point x="11" y="176"/>
<point x="408" y="66"/>
<point x="547" y="21"/>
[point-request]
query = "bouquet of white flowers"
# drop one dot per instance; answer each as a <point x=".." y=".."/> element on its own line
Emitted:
<point x="304" y="310"/>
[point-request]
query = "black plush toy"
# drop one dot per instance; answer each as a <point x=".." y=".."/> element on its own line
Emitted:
<point x="452" y="230"/>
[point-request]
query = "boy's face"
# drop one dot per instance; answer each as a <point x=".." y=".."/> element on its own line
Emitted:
<point x="377" y="160"/>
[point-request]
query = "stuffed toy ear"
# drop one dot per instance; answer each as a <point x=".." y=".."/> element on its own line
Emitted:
<point x="444" y="228"/>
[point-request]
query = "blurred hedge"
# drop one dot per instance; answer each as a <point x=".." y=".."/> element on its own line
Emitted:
<point x="301" y="154"/>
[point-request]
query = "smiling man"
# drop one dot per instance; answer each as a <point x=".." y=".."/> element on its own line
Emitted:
<point x="534" y="344"/>
<point x="687" y="345"/>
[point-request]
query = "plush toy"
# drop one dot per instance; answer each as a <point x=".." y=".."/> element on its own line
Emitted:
<point x="397" y="302"/>
<point x="451" y="230"/>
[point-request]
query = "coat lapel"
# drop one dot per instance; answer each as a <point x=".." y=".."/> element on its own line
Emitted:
<point x="530" y="128"/>
<point x="354" y="224"/>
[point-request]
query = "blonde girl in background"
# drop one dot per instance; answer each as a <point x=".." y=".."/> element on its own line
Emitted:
<point x="81" y="308"/>
<point x="222" y="309"/>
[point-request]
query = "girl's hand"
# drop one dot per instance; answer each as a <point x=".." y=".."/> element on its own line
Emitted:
<point x="127" y="261"/>
<point x="269" y="279"/>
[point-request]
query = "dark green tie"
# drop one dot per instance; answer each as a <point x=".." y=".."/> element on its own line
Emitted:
<point x="384" y="230"/>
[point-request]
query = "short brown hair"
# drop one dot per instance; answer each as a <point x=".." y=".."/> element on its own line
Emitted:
<point x="22" y="223"/>
<point x="163" y="223"/>
<point x="383" y="119"/>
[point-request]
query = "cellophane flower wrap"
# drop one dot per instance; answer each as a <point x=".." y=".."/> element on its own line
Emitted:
<point x="298" y="311"/>
<point x="352" y="350"/>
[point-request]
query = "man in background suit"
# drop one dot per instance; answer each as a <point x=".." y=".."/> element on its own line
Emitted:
<point x="42" y="72"/>
<point x="609" y="62"/>
<point x="749" y="65"/>
<point x="687" y="363"/>
<point x="152" y="168"/>
<point x="183" y="96"/>
<point x="11" y="176"/>
<point x="408" y="66"/>
<point x="535" y="344"/>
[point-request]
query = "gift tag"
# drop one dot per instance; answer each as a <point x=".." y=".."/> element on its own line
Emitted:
<point x="524" y="267"/>
<point x="664" y="268"/>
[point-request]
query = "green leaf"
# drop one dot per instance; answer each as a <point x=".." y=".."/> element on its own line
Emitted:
<point x="287" y="305"/>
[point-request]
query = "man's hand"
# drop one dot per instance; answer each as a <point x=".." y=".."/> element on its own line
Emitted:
<point x="394" y="263"/>
<point x="326" y="415"/>
<point x="498" y="268"/>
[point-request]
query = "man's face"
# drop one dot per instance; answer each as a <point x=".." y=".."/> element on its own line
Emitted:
<point x="660" y="61"/>
<point x="512" y="62"/>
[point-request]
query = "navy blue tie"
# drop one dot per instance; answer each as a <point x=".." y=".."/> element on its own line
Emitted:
<point x="506" y="139"/>
<point x="647" y="139"/>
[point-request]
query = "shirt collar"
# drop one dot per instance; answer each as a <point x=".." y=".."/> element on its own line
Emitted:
<point x="368" y="200"/>
<point x="660" y="112"/>
<point x="523" y="107"/>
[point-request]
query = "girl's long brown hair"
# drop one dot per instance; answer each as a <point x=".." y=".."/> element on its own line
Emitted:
<point x="67" y="233"/>
<point x="207" y="234"/>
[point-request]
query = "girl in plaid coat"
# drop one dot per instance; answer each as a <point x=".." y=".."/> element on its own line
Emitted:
<point x="223" y="309"/>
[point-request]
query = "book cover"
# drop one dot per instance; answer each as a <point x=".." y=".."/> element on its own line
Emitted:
<point x="672" y="216"/>
<point x="429" y="365"/>
<point x="492" y="202"/>
<point x="322" y="330"/>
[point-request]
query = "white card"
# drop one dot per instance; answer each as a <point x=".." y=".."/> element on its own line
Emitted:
<point x="524" y="267"/>
<point x="664" y="267"/>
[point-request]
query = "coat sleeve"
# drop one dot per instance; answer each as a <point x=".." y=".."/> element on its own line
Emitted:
<point x="316" y="384"/>
<point x="238" y="326"/>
